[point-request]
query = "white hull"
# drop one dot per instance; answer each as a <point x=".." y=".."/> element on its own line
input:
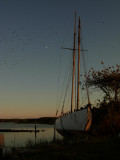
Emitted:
<point x="74" y="122"/>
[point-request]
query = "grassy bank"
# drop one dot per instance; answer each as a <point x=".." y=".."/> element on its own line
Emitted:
<point x="87" y="148"/>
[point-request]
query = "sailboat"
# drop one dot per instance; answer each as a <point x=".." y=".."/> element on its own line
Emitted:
<point x="78" y="119"/>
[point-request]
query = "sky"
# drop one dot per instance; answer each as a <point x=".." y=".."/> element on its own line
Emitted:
<point x="32" y="33"/>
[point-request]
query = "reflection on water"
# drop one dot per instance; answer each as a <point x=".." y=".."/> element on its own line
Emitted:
<point x="1" y="140"/>
<point x="20" y="139"/>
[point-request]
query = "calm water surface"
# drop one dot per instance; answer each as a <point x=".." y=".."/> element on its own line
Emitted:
<point x="21" y="139"/>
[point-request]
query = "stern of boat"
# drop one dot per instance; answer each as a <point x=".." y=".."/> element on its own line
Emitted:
<point x="89" y="120"/>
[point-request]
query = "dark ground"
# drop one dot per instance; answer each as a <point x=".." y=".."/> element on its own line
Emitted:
<point x="88" y="148"/>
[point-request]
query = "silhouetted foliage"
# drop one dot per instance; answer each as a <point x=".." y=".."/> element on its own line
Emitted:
<point x="107" y="80"/>
<point x="106" y="118"/>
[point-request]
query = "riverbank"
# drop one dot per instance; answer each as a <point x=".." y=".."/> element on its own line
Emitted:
<point x="42" y="120"/>
<point x="87" y="148"/>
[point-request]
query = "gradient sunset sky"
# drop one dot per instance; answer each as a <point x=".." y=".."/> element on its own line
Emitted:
<point x="31" y="35"/>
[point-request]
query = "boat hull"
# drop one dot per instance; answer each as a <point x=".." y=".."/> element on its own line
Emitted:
<point x="74" y="123"/>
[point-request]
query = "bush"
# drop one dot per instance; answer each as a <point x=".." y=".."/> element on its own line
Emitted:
<point x="106" y="119"/>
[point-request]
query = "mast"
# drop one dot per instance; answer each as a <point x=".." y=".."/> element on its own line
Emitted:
<point x="73" y="64"/>
<point x="78" y="66"/>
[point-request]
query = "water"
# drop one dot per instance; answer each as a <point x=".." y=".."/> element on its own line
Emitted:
<point x="21" y="139"/>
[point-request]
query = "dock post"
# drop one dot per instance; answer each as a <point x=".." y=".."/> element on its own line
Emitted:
<point x="54" y="138"/>
<point x="35" y="133"/>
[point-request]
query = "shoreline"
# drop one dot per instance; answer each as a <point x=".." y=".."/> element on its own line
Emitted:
<point x="42" y="120"/>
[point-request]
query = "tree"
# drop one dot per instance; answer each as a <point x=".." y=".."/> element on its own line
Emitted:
<point x="106" y="118"/>
<point x="107" y="80"/>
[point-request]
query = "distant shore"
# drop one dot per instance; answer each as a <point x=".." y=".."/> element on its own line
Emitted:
<point x="42" y="120"/>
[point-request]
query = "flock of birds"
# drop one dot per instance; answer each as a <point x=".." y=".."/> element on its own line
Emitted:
<point x="15" y="46"/>
<point x="12" y="46"/>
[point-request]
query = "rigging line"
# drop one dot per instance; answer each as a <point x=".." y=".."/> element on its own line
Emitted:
<point x="83" y="96"/>
<point x="75" y="89"/>
<point x="85" y="70"/>
<point x="76" y="65"/>
<point x="68" y="103"/>
<point x="63" y="83"/>
<point x="64" y="39"/>
<point x="65" y="79"/>
<point x="61" y="95"/>
<point x="69" y="79"/>
<point x="80" y="83"/>
<point x="59" y="74"/>
<point x="68" y="96"/>
<point x="65" y="95"/>
<point x="84" y="100"/>
<point x="66" y="92"/>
